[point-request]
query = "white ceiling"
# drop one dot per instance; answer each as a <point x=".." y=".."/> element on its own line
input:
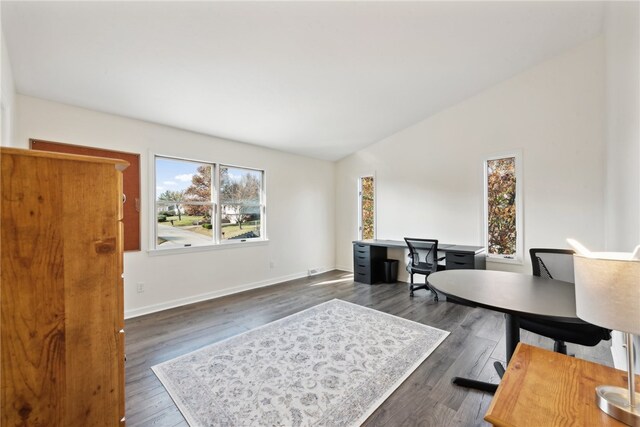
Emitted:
<point x="321" y="79"/>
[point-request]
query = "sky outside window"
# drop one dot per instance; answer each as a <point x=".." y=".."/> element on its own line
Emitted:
<point x="174" y="175"/>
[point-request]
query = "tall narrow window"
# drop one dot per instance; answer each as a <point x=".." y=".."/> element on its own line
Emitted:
<point x="503" y="200"/>
<point x="241" y="203"/>
<point x="366" y="196"/>
<point x="184" y="206"/>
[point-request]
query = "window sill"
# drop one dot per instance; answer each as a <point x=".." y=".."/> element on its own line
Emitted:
<point x="208" y="248"/>
<point x="516" y="261"/>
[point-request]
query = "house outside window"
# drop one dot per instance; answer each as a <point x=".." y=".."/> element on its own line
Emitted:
<point x="241" y="203"/>
<point x="503" y="207"/>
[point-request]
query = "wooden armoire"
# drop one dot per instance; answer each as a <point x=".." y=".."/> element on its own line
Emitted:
<point x="62" y="311"/>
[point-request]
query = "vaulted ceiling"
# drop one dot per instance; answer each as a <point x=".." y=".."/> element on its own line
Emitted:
<point x="321" y="79"/>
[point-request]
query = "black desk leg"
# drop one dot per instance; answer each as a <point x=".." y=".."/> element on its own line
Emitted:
<point x="512" y="337"/>
<point x="512" y="326"/>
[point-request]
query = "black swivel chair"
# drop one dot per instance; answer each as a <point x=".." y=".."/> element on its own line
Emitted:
<point x="423" y="259"/>
<point x="558" y="264"/>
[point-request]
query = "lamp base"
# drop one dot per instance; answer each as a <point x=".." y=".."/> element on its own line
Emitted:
<point x="615" y="402"/>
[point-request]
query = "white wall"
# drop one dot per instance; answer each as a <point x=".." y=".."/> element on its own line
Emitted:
<point x="622" y="41"/>
<point x="622" y="44"/>
<point x="7" y="97"/>
<point x="429" y="176"/>
<point x="300" y="206"/>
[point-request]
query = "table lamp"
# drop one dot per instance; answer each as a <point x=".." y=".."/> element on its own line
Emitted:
<point x="607" y="288"/>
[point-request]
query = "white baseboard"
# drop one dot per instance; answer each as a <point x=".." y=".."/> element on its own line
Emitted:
<point x="348" y="268"/>
<point x="141" y="311"/>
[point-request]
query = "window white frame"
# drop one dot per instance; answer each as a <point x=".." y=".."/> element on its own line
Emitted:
<point x="216" y="241"/>
<point x="263" y="208"/>
<point x="375" y="205"/>
<point x="518" y="257"/>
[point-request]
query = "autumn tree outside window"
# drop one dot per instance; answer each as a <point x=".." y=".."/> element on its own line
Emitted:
<point x="366" y="193"/>
<point x="502" y="207"/>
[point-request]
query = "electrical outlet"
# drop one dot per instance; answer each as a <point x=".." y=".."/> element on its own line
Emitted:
<point x="140" y="287"/>
<point x="312" y="271"/>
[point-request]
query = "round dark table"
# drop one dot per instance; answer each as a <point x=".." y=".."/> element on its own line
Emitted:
<point x="515" y="294"/>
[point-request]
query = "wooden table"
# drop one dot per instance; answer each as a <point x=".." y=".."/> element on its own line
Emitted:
<point x="543" y="388"/>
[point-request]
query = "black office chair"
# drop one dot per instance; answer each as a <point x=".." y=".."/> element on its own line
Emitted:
<point x="423" y="259"/>
<point x="558" y="264"/>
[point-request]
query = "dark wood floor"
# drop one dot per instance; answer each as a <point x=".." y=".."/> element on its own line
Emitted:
<point x="426" y="398"/>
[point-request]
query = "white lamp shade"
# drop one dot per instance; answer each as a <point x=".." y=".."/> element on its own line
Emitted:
<point x="608" y="291"/>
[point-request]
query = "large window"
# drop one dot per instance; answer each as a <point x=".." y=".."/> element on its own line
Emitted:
<point x="189" y="212"/>
<point x="502" y="207"/>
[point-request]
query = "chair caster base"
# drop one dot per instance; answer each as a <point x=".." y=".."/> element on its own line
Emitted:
<point x="476" y="385"/>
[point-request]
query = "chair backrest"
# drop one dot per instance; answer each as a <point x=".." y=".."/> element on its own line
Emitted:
<point x="552" y="263"/>
<point x="423" y="252"/>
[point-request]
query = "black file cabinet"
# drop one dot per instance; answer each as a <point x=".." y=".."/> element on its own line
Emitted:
<point x="368" y="263"/>
<point x="465" y="260"/>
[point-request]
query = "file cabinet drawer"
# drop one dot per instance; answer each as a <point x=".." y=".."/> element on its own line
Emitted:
<point x="362" y="277"/>
<point x="361" y="265"/>
<point x="455" y="265"/>
<point x="362" y="259"/>
<point x="363" y="250"/>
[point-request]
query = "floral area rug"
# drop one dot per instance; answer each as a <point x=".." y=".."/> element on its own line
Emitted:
<point x="329" y="365"/>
